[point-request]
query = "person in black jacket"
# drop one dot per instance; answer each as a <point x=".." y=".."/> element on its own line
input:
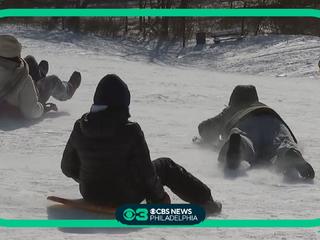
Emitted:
<point x="250" y="130"/>
<point x="109" y="157"/>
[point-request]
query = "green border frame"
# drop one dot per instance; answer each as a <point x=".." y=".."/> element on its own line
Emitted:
<point x="210" y="223"/>
<point x="134" y="12"/>
<point x="152" y="12"/>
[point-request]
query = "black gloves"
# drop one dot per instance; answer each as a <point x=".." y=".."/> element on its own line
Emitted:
<point x="50" y="107"/>
<point x="166" y="199"/>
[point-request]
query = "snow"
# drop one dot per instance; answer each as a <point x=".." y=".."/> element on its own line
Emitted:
<point x="172" y="91"/>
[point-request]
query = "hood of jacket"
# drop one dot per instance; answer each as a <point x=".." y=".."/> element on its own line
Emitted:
<point x="11" y="75"/>
<point x="103" y="124"/>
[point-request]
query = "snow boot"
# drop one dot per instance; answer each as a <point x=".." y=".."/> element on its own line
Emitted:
<point x="43" y="68"/>
<point x="74" y="83"/>
<point x="212" y="207"/>
<point x="45" y="88"/>
<point x="233" y="154"/>
<point x="295" y="160"/>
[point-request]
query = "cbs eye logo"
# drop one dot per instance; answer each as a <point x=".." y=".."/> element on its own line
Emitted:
<point x="140" y="214"/>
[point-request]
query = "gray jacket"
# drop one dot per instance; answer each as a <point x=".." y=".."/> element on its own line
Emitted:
<point x="17" y="88"/>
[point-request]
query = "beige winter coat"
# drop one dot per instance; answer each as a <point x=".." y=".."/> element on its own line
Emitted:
<point x="17" y="88"/>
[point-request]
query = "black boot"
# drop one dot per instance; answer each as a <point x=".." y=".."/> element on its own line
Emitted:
<point x="294" y="159"/>
<point x="46" y="86"/>
<point x="43" y="68"/>
<point x="233" y="156"/>
<point x="74" y="83"/>
<point x="212" y="207"/>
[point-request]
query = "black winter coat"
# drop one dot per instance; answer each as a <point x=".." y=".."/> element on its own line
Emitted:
<point x="109" y="157"/>
<point x="217" y="129"/>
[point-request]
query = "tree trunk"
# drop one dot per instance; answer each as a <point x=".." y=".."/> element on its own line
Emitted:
<point x="184" y="40"/>
<point x="126" y="25"/>
<point x="75" y="21"/>
<point x="184" y="4"/>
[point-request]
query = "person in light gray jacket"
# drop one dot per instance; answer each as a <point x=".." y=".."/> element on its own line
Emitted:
<point x="24" y="86"/>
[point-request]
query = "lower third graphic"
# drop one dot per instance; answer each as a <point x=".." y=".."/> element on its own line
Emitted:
<point x="160" y="214"/>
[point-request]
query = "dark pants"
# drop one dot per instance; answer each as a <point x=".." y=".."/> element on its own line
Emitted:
<point x="264" y="139"/>
<point x="172" y="175"/>
<point x="181" y="182"/>
<point x="47" y="86"/>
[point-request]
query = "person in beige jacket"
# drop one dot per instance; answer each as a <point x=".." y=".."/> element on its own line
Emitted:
<point x="24" y="86"/>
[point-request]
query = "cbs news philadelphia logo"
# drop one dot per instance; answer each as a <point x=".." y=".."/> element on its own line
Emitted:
<point x="160" y="214"/>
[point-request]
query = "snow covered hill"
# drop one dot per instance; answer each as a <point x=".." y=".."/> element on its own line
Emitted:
<point x="270" y="55"/>
<point x="172" y="91"/>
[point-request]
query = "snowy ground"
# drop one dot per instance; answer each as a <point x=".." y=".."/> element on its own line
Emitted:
<point x="172" y="91"/>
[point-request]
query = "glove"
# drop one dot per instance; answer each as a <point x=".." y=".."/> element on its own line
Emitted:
<point x="50" y="107"/>
<point x="197" y="140"/>
<point x="166" y="199"/>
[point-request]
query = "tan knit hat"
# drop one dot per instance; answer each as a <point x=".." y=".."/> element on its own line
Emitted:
<point x="9" y="46"/>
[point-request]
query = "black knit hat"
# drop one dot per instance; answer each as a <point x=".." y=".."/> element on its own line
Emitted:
<point x="112" y="91"/>
<point x="243" y="95"/>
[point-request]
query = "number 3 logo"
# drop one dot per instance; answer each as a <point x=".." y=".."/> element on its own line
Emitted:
<point x="142" y="214"/>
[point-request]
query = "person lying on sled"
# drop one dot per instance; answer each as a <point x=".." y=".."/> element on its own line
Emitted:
<point x="24" y="86"/>
<point x="252" y="131"/>
<point x="109" y="157"/>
